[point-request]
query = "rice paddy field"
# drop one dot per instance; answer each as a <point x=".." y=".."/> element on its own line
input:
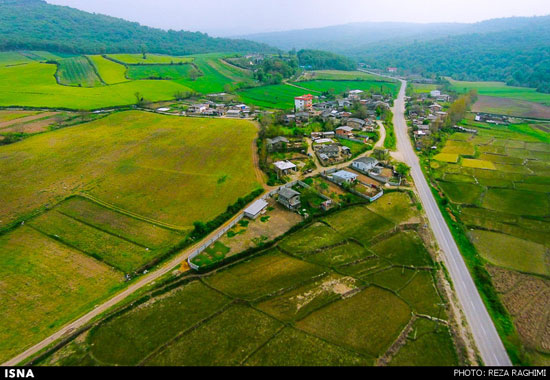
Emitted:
<point x="94" y="82"/>
<point x="499" y="188"/>
<point x="279" y="96"/>
<point x="339" y="87"/>
<point x="287" y="306"/>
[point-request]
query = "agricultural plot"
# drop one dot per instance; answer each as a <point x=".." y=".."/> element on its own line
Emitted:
<point x="447" y="157"/>
<point x="342" y="75"/>
<point x="279" y="96"/>
<point x="149" y="59"/>
<point x="339" y="87"/>
<point x="151" y="165"/>
<point x="164" y="72"/>
<point x="502" y="197"/>
<point x="294" y="315"/>
<point x="77" y="71"/>
<point x="395" y="206"/>
<point x="109" y="71"/>
<point x="12" y="58"/>
<point x="45" y="284"/>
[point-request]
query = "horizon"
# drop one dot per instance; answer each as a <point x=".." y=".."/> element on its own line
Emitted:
<point x="249" y="17"/>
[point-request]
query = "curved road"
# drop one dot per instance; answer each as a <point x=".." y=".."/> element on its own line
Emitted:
<point x="485" y="334"/>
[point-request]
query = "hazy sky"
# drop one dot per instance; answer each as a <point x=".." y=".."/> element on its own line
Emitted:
<point x="234" y="17"/>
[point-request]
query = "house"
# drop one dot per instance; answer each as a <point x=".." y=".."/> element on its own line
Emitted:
<point x="343" y="176"/>
<point x="328" y="151"/>
<point x="255" y="209"/>
<point x="233" y="113"/>
<point x="344" y="131"/>
<point x="303" y="103"/>
<point x="435" y="93"/>
<point x="444" y="98"/>
<point x="355" y="94"/>
<point x="277" y="143"/>
<point x="198" y="108"/>
<point x="364" y="163"/>
<point x="436" y="107"/>
<point x="289" y="198"/>
<point x="392" y="69"/>
<point x="356" y="123"/>
<point x="284" y="168"/>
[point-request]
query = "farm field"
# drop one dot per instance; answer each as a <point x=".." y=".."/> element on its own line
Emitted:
<point x="26" y="81"/>
<point x="501" y="90"/>
<point x="279" y="96"/>
<point x="511" y="107"/>
<point x="45" y="284"/>
<point x="501" y="195"/>
<point x="342" y="75"/>
<point x="278" y="308"/>
<point x="339" y="87"/>
<point x="109" y="71"/>
<point x="151" y="165"/>
<point x="150" y="59"/>
<point x="77" y="71"/>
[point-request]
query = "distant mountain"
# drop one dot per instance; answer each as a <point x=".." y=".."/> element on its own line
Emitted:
<point x="514" y="50"/>
<point x="37" y="25"/>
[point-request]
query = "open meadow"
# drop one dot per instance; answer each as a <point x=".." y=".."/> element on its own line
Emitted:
<point x="287" y="305"/>
<point x="501" y="195"/>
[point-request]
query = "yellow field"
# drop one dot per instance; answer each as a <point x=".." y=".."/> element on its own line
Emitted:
<point x="479" y="164"/>
<point x="447" y="157"/>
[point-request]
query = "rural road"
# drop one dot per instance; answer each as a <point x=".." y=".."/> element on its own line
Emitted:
<point x="490" y="346"/>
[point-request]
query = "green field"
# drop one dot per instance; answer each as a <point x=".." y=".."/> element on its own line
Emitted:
<point x="9" y="58"/>
<point x="502" y="199"/>
<point x="343" y="75"/>
<point x="279" y="96"/>
<point x="501" y="90"/>
<point x="153" y="165"/>
<point x="77" y="71"/>
<point x="109" y="71"/>
<point x="150" y="59"/>
<point x="339" y="87"/>
<point x="164" y="72"/>
<point x="276" y="309"/>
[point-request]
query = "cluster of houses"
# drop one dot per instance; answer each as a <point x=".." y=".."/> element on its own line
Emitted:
<point x="492" y="119"/>
<point x="426" y="114"/>
<point x="211" y="108"/>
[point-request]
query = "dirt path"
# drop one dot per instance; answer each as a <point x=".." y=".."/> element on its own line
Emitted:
<point x="26" y="119"/>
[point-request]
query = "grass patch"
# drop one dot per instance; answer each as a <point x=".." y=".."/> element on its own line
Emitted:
<point x="405" y="248"/>
<point x="511" y="201"/>
<point x="111" y="72"/>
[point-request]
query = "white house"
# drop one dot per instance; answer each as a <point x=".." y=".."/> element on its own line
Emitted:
<point x="435" y="93"/>
<point x="365" y="163"/>
<point x="284" y="167"/>
<point x="343" y="176"/>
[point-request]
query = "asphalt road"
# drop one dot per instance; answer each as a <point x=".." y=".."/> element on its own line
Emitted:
<point x="486" y="337"/>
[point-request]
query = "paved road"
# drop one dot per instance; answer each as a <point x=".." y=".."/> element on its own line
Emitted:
<point x="486" y="337"/>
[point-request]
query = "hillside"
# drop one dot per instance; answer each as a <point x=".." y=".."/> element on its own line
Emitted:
<point x="513" y="50"/>
<point x="37" y="25"/>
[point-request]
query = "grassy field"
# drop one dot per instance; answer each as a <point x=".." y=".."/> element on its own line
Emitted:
<point x="9" y="58"/>
<point x="279" y="96"/>
<point x="343" y="75"/>
<point x="150" y="59"/>
<point x="34" y="85"/>
<point x="501" y="90"/>
<point x="77" y="71"/>
<point x="44" y="285"/>
<point x="109" y="71"/>
<point x="339" y="87"/>
<point x="152" y="165"/>
<point x="164" y="72"/>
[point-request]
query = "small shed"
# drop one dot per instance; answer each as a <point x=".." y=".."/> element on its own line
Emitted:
<point x="255" y="209"/>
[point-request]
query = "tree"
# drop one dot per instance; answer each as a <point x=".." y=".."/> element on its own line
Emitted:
<point x="144" y="52"/>
<point x="193" y="73"/>
<point x="139" y="98"/>
<point x="381" y="154"/>
<point x="402" y="169"/>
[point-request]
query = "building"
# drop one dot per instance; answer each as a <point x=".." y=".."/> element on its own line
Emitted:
<point x="255" y="209"/>
<point x="356" y="123"/>
<point x="344" y="131"/>
<point x="355" y="94"/>
<point x="365" y="163"/>
<point x="392" y="69"/>
<point x="233" y="113"/>
<point x="284" y="168"/>
<point x="343" y="176"/>
<point x="277" y="143"/>
<point x="303" y="103"/>
<point x="289" y="198"/>
<point x="435" y="93"/>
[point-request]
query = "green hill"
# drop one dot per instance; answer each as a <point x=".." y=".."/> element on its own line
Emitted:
<point x="37" y="25"/>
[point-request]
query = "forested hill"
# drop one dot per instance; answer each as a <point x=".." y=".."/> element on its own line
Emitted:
<point x="37" y="25"/>
<point x="519" y="56"/>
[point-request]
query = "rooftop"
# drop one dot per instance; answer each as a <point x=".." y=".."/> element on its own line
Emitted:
<point x="284" y="165"/>
<point x="345" y="174"/>
<point x="256" y="207"/>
